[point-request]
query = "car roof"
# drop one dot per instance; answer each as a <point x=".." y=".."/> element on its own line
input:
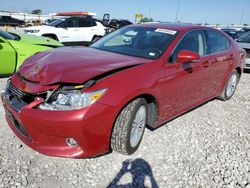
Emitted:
<point x="173" y="26"/>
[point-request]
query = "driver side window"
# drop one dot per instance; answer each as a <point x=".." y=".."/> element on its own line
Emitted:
<point x="193" y="41"/>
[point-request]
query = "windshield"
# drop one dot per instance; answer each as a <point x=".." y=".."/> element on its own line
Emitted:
<point x="7" y="36"/>
<point x="245" y="38"/>
<point x="56" y="23"/>
<point x="143" y="42"/>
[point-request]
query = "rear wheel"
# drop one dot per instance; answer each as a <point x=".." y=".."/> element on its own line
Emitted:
<point x="129" y="127"/>
<point x="230" y="87"/>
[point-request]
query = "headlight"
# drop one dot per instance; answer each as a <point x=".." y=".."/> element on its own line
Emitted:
<point x="72" y="100"/>
<point x="32" y="31"/>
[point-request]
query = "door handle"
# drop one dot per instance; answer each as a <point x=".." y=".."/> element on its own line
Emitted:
<point x="206" y="64"/>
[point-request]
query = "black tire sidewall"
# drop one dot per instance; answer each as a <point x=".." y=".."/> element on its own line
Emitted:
<point x="141" y="102"/>
<point x="96" y="38"/>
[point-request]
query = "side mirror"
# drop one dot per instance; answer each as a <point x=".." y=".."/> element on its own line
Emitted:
<point x="186" y="56"/>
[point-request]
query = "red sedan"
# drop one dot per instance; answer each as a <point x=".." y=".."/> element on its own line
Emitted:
<point x="83" y="102"/>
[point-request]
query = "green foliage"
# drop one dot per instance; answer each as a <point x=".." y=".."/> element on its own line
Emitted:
<point x="36" y="11"/>
<point x="146" y="19"/>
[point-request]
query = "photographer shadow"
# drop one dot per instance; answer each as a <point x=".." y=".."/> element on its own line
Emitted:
<point x="139" y="170"/>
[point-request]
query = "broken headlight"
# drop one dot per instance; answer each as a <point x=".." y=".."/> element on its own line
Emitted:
<point x="72" y="100"/>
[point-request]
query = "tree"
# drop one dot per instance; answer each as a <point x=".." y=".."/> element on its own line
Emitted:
<point x="36" y="11"/>
<point x="146" y="19"/>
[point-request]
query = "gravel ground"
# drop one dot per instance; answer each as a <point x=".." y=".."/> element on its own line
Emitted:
<point x="207" y="147"/>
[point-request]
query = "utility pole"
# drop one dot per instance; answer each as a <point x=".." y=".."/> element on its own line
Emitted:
<point x="242" y="15"/>
<point x="149" y="13"/>
<point x="177" y="11"/>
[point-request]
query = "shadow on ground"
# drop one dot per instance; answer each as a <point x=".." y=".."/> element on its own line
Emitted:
<point x="140" y="172"/>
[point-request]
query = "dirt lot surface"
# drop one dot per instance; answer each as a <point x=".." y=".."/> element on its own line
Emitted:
<point x="207" y="147"/>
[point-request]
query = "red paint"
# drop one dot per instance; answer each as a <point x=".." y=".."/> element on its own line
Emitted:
<point x="176" y="90"/>
<point x="187" y="56"/>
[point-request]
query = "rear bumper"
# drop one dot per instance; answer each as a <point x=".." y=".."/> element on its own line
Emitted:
<point x="46" y="131"/>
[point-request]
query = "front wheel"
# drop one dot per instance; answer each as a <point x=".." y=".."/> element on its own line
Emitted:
<point x="230" y="87"/>
<point x="129" y="127"/>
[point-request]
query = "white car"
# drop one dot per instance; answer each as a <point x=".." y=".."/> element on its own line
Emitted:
<point x="244" y="42"/>
<point x="73" y="30"/>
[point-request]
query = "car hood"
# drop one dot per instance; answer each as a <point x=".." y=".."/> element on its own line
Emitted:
<point x="37" y="40"/>
<point x="74" y="65"/>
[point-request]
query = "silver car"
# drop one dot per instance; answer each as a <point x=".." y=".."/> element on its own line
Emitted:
<point x="244" y="42"/>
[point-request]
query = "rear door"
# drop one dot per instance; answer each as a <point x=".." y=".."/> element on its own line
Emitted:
<point x="7" y="58"/>
<point x="221" y="59"/>
<point x="188" y="83"/>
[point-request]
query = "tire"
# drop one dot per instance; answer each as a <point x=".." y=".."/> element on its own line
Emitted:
<point x="230" y="87"/>
<point x="95" y="38"/>
<point x="122" y="140"/>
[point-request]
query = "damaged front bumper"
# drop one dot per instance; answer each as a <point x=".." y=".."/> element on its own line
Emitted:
<point x="47" y="131"/>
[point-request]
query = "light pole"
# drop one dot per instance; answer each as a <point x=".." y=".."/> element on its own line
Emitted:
<point x="177" y="11"/>
<point x="242" y="15"/>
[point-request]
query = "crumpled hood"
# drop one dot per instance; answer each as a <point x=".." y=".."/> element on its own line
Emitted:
<point x="73" y="65"/>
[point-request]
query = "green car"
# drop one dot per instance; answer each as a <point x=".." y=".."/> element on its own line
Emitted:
<point x="15" y="48"/>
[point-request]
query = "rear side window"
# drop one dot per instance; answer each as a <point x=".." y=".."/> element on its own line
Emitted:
<point x="217" y="42"/>
<point x="193" y="41"/>
<point x="86" y="23"/>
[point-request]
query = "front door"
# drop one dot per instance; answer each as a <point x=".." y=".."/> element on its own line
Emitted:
<point x="68" y="31"/>
<point x="188" y="83"/>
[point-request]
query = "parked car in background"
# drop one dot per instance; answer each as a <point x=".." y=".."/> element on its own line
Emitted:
<point x="241" y="32"/>
<point x="70" y="31"/>
<point x="244" y="42"/>
<point x="119" y="23"/>
<point x="114" y="24"/>
<point x="48" y="21"/>
<point x="9" y="21"/>
<point x="230" y="32"/>
<point x="15" y="48"/>
<point x="84" y="102"/>
<point x="34" y="22"/>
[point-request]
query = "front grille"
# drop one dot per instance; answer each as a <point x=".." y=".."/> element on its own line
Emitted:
<point x="14" y="97"/>
<point x="17" y="99"/>
<point x="17" y="92"/>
